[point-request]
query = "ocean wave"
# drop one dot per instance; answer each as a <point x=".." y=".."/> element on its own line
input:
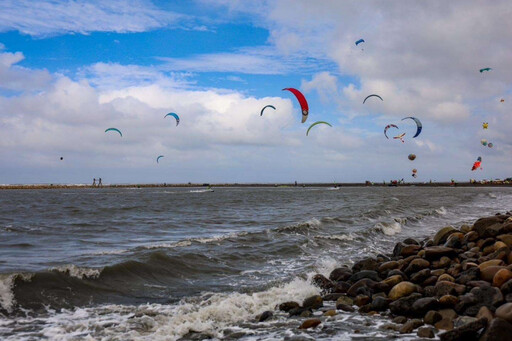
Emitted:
<point x="77" y="272"/>
<point x="303" y="227"/>
<point x="389" y="228"/>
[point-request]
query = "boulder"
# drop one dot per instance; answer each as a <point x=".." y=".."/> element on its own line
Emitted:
<point x="426" y="332"/>
<point x="392" y="281"/>
<point x="402" y="289"/>
<point x="361" y="300"/>
<point x="488" y="273"/>
<point x="468" y="331"/>
<point x="287" y="306"/>
<point x="421" y="306"/>
<point x="506" y="238"/>
<point x="446" y="323"/>
<point x="420" y="276"/>
<point x="448" y="301"/>
<point x="344" y="300"/>
<point x="311" y="323"/>
<point x="449" y="288"/>
<point x="410" y="325"/>
<point x="498" y="330"/>
<point x="471" y="274"/>
<point x="341" y="287"/>
<point x="403" y="306"/>
<point x="506" y="288"/>
<point x="384" y="267"/>
<point x="332" y="297"/>
<point x="313" y="302"/>
<point x="345" y="307"/>
<point x="323" y="282"/>
<point x="330" y="313"/>
<point x="481" y="224"/>
<point x="432" y="317"/>
<point x="501" y="277"/>
<point x="443" y="234"/>
<point x="365" y="264"/>
<point x="485" y="313"/>
<point x="470" y="237"/>
<point x="265" y="316"/>
<point x="417" y="265"/>
<point x="371" y="274"/>
<point x="380" y="304"/>
<point x="340" y="274"/>
<point x="446" y="277"/>
<point x="505" y="312"/>
<point x="362" y="283"/>
<point x="409" y="250"/>
<point x="454" y="240"/>
<point x="436" y="252"/>
<point x="462" y="320"/>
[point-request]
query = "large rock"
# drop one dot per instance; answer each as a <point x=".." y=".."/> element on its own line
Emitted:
<point x="422" y="305"/>
<point x="501" y="277"/>
<point x="287" y="306"/>
<point x="417" y="265"/>
<point x="426" y="332"/>
<point x="380" y="304"/>
<point x="506" y="238"/>
<point x="311" y="323"/>
<point x="443" y="234"/>
<point x="340" y="274"/>
<point x="420" y="276"/>
<point x="436" y="252"/>
<point x="371" y="274"/>
<point x="498" y="330"/>
<point x="488" y="273"/>
<point x="265" y="316"/>
<point x="313" y="302"/>
<point x="386" y="266"/>
<point x="341" y="287"/>
<point x="454" y="240"/>
<point x="323" y="282"/>
<point x="505" y="312"/>
<point x="471" y="274"/>
<point x="362" y="283"/>
<point x="485" y="313"/>
<point x="446" y="322"/>
<point x="402" y="289"/>
<point x="344" y="300"/>
<point x="506" y="288"/>
<point x="432" y="317"/>
<point x="469" y="331"/>
<point x="410" y="325"/>
<point x="487" y="296"/>
<point x="365" y="264"/>
<point x="392" y="280"/>
<point x="449" y="288"/>
<point x="403" y="306"/>
<point x="481" y="224"/>
<point x="448" y="301"/>
<point x="410" y="250"/>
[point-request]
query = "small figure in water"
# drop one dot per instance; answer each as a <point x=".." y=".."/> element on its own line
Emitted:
<point x="99" y="183"/>
<point x="94" y="182"/>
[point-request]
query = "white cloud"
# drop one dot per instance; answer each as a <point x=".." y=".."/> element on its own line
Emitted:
<point x="49" y="17"/>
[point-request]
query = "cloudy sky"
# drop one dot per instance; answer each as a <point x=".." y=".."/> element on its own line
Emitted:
<point x="71" y="69"/>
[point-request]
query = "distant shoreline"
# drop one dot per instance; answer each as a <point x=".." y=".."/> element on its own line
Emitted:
<point x="278" y="185"/>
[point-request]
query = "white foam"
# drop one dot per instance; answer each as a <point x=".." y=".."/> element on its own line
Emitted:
<point x="77" y="272"/>
<point x="389" y="229"/>
<point x="6" y="294"/>
<point x="441" y="210"/>
<point x="343" y="237"/>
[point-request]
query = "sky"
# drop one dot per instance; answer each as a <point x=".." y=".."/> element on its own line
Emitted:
<point x="71" y="69"/>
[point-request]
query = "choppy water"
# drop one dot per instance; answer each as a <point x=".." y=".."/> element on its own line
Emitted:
<point x="161" y="264"/>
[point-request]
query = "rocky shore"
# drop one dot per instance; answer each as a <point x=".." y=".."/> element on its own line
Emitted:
<point x="454" y="286"/>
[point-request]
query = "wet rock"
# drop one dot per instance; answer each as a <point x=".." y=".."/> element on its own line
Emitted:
<point x="436" y="252"/>
<point x="361" y="300"/>
<point x="438" y="272"/>
<point x="506" y="288"/>
<point x="501" y="253"/>
<point x="341" y="287"/>
<point x="471" y="274"/>
<point x="365" y="282"/>
<point x="462" y="320"/>
<point x="400" y="319"/>
<point x="485" y="313"/>
<point x="448" y="288"/>
<point x="323" y="282"/>
<point x="488" y="296"/>
<point x="481" y="224"/>
<point x="410" y="325"/>
<point x="344" y="300"/>
<point x="371" y="274"/>
<point x="409" y="250"/>
<point x="443" y="234"/>
<point x="466" y="332"/>
<point x="298" y="311"/>
<point x="384" y="267"/>
<point x="421" y="306"/>
<point x="478" y="284"/>
<point x="506" y="238"/>
<point x="429" y="291"/>
<point x="454" y="240"/>
<point x="432" y="280"/>
<point x="420" y="276"/>
<point x="313" y="302"/>
<point x="446" y="277"/>
<point x="488" y="273"/>
<point x="417" y="265"/>
<point x="410" y="241"/>
<point x="426" y="332"/>
<point x="367" y="308"/>
<point x="265" y="316"/>
<point x="345" y="307"/>
<point x="287" y="306"/>
<point x="330" y="313"/>
<point x="498" y="330"/>
<point x="365" y="264"/>
<point x="395" y="272"/>
<point x="392" y="281"/>
<point x="465" y="228"/>
<point x="311" y="323"/>
<point x="446" y="323"/>
<point x="306" y="313"/>
<point x="397" y="250"/>
<point x="332" y="297"/>
<point x="340" y="274"/>
<point x="501" y="277"/>
<point x="403" y="306"/>
<point x="470" y="237"/>
<point x="380" y="304"/>
<point x="505" y="312"/>
<point x="448" y="301"/>
<point x="432" y="317"/>
<point x="402" y="289"/>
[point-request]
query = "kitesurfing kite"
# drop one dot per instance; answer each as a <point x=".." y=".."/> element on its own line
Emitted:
<point x="175" y="116"/>
<point x="314" y="124"/>
<point x="483" y="142"/>
<point x="158" y="158"/>
<point x="114" y="129"/>
<point x="414" y="171"/>
<point x="302" y="101"/>
<point x="412" y="157"/>
<point x="485" y="69"/>
<point x="267" y="106"/>
<point x="359" y="41"/>
<point x="477" y="164"/>
<point x="485" y="125"/>
<point x="419" y="126"/>
<point x="386" y="129"/>
<point x="490" y="145"/>
<point x="400" y="137"/>
<point x="372" y="95"/>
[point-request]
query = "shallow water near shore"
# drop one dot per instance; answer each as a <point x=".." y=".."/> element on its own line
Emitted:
<point x="160" y="263"/>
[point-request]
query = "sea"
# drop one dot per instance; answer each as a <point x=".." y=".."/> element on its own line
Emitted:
<point x="189" y="264"/>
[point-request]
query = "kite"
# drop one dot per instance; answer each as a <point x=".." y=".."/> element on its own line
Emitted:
<point x="302" y="101"/>
<point x="114" y="129"/>
<point x="386" y="129"/>
<point x="266" y="106"/>
<point x="175" y="116"/>
<point x="359" y="41"/>
<point x="158" y="158"/>
<point x="314" y="124"/>
<point x="419" y="126"/>
<point x="372" y="95"/>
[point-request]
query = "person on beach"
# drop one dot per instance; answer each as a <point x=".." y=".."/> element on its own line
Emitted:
<point x="94" y="182"/>
<point x="99" y="183"/>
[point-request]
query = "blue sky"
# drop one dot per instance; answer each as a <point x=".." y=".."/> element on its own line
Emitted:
<point x="70" y="69"/>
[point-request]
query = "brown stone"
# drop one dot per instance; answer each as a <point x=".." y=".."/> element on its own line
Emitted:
<point x="313" y="302"/>
<point x="426" y="332"/>
<point x="410" y="325"/>
<point x="361" y="300"/>
<point x="437" y="272"/>
<point x="481" y="224"/>
<point x="498" y="330"/>
<point x="464" y="332"/>
<point x="488" y="273"/>
<point x="446" y="277"/>
<point x="388" y="266"/>
<point x="505" y="312"/>
<point x="501" y="277"/>
<point x="392" y="280"/>
<point x="287" y="306"/>
<point x="454" y="240"/>
<point x="402" y="289"/>
<point x="436" y="252"/>
<point x="417" y="265"/>
<point x="448" y="301"/>
<point x="492" y="262"/>
<point x="311" y="323"/>
<point x="443" y="234"/>
<point x="432" y="317"/>
<point x="410" y="250"/>
<point x="448" y="315"/>
<point x="330" y="313"/>
<point x="485" y="313"/>
<point x="448" y="288"/>
<point x="344" y="300"/>
<point x="506" y="238"/>
<point x="470" y="237"/>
